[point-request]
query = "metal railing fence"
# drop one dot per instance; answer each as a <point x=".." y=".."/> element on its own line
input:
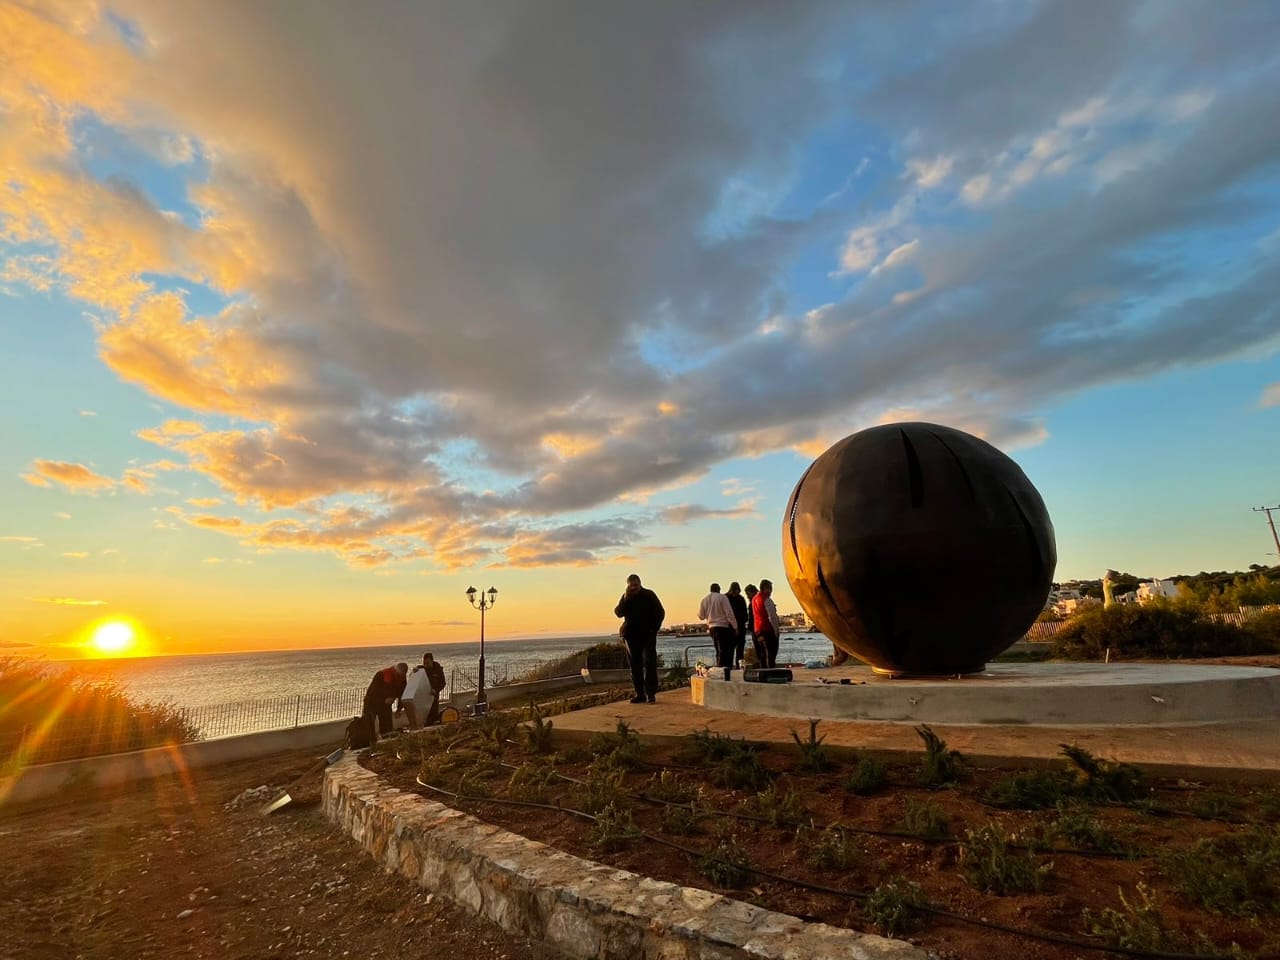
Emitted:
<point x="280" y="713"/>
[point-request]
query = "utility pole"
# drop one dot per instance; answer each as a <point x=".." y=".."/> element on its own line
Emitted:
<point x="1274" y="535"/>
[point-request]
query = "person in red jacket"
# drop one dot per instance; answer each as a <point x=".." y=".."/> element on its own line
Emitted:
<point x="764" y="614"/>
<point x="384" y="689"/>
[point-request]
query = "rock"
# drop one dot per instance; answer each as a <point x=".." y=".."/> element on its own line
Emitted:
<point x="184" y="914"/>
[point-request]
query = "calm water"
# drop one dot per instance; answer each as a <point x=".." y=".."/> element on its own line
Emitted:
<point x="232" y="677"/>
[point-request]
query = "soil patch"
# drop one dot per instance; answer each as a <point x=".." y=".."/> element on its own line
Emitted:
<point x="171" y="868"/>
<point x="1101" y="858"/>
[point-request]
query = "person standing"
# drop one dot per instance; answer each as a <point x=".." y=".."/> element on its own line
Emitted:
<point x="716" y="610"/>
<point x="765" y="614"/>
<point x="436" y="681"/>
<point x="739" y="604"/>
<point x="384" y="689"/>
<point x="642" y="615"/>
<point x="751" y="592"/>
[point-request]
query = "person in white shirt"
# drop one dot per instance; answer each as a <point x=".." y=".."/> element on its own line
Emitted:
<point x="716" y="610"/>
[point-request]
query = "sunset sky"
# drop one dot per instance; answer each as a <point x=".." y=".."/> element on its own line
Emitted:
<point x="314" y="314"/>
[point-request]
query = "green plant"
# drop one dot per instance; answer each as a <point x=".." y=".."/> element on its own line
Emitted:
<point x="1216" y="805"/>
<point x="924" y="820"/>
<point x="474" y="781"/>
<point x="604" y="787"/>
<point x="869" y="775"/>
<point x="893" y="908"/>
<point x="532" y="782"/>
<point x="740" y="769"/>
<point x="1076" y="828"/>
<point x="777" y="807"/>
<point x="681" y="821"/>
<point x="989" y="864"/>
<point x="938" y="765"/>
<point x="726" y="864"/>
<point x="703" y="746"/>
<point x="1137" y="925"/>
<point x="1027" y="791"/>
<point x="614" y="829"/>
<point x="537" y="733"/>
<point x="1099" y="779"/>
<point x="669" y="788"/>
<point x="813" y="756"/>
<point x="835" y="848"/>
<point x="622" y="746"/>
<point x="494" y="730"/>
<point x="1237" y="874"/>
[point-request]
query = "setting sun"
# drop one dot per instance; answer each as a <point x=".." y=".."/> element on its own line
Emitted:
<point x="113" y="637"/>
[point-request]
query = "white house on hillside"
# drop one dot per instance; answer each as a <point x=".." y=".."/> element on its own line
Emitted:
<point x="1149" y="590"/>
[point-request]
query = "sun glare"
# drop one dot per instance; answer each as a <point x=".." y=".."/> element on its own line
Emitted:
<point x="115" y="637"/>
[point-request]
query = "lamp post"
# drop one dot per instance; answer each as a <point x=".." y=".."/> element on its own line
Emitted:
<point x="487" y="599"/>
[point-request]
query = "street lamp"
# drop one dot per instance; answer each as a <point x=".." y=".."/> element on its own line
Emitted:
<point x="487" y="599"/>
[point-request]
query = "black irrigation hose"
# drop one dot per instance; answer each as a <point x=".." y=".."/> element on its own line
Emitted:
<point x="853" y="895"/>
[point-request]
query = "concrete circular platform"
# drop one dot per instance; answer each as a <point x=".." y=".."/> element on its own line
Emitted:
<point x="1050" y="694"/>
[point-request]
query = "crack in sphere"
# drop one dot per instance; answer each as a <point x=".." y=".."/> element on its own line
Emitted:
<point x="919" y="549"/>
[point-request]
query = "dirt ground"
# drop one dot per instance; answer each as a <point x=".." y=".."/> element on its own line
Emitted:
<point x="166" y="869"/>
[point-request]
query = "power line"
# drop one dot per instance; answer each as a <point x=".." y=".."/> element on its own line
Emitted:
<point x="1272" y="523"/>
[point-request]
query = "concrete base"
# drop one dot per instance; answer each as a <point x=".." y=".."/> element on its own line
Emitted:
<point x="1053" y="694"/>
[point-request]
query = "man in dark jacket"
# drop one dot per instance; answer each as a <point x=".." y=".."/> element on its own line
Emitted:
<point x="739" y="604"/>
<point x="642" y="614"/>
<point x="384" y="690"/>
<point x="435" y="677"/>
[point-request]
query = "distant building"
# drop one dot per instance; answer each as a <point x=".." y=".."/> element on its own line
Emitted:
<point x="1150" y="590"/>
<point x="1070" y="605"/>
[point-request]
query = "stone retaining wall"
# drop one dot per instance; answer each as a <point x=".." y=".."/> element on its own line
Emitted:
<point x="580" y="908"/>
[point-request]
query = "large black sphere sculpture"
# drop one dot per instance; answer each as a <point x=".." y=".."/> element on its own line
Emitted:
<point x="919" y="549"/>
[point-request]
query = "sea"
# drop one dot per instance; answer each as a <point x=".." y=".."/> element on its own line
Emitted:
<point x="221" y="678"/>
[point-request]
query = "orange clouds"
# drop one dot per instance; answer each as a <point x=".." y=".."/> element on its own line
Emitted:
<point x="75" y="477"/>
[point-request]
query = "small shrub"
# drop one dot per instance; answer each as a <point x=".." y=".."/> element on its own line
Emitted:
<point x="1216" y="805"/>
<point x="622" y="746"/>
<point x="894" y="908"/>
<point x="614" y="829"/>
<point x="869" y="775"/>
<point x="1137" y="925"/>
<point x="1237" y="875"/>
<point x="938" y="765"/>
<point x="537" y="733"/>
<point x="604" y="787"/>
<point x="1076" y="828"/>
<point x="924" y="820"/>
<point x="681" y="821"/>
<point x="989" y="864"/>
<point x="431" y="773"/>
<point x="741" y="769"/>
<point x="669" y="788"/>
<point x="813" y="756"/>
<point x="703" y="746"/>
<point x="835" y="849"/>
<point x="1099" y="779"/>
<point x="725" y="865"/>
<point x="495" y="730"/>
<point x="1027" y="791"/>
<point x="475" y="779"/>
<point x="532" y="782"/>
<point x="777" y="807"/>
